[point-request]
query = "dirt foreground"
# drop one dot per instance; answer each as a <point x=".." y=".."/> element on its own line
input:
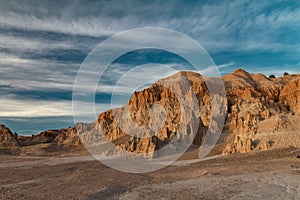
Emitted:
<point x="273" y="174"/>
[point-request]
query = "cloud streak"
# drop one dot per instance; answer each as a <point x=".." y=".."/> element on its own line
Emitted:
<point x="22" y="108"/>
<point x="43" y="44"/>
<point x="210" y="23"/>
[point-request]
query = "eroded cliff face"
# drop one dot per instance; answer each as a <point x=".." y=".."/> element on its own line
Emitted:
<point x="178" y="109"/>
<point x="254" y="101"/>
<point x="290" y="95"/>
<point x="162" y="113"/>
<point x="258" y="105"/>
<point x="251" y="99"/>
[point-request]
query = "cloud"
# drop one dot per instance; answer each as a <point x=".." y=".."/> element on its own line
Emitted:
<point x="12" y="107"/>
<point x="138" y="77"/>
<point x="253" y="24"/>
<point x="42" y="44"/>
<point x="29" y="74"/>
<point x="29" y="108"/>
<point x="215" y="70"/>
<point x="25" y="44"/>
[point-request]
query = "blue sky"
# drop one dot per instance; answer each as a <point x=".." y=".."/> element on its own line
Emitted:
<point x="42" y="45"/>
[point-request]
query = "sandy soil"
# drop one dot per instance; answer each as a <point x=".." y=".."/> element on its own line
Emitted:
<point x="271" y="174"/>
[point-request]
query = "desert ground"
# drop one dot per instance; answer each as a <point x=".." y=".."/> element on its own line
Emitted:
<point x="256" y="157"/>
<point x="270" y="174"/>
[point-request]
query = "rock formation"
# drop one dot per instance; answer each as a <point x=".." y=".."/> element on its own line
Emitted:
<point x="241" y="143"/>
<point x="253" y="102"/>
<point x="290" y="95"/>
<point x="257" y="105"/>
<point x="67" y="136"/>
<point x="133" y="129"/>
<point x="7" y="138"/>
<point x="166" y="113"/>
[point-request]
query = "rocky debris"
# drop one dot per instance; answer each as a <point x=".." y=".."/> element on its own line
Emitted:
<point x="245" y="144"/>
<point x="241" y="144"/>
<point x="278" y="123"/>
<point x="264" y="144"/>
<point x="275" y="123"/>
<point x="7" y="138"/>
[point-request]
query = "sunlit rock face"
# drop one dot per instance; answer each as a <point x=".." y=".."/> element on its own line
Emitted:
<point x="174" y="109"/>
<point x="177" y="110"/>
<point x="258" y="105"/>
<point x="253" y="100"/>
<point x="290" y="95"/>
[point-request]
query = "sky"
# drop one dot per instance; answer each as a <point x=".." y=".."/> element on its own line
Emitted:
<point x="43" y="44"/>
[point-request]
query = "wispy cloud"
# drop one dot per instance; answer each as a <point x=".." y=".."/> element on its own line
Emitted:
<point x="12" y="107"/>
<point x="43" y="44"/>
<point x="213" y="24"/>
<point x="32" y="74"/>
<point x="30" y="108"/>
<point x="33" y="44"/>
